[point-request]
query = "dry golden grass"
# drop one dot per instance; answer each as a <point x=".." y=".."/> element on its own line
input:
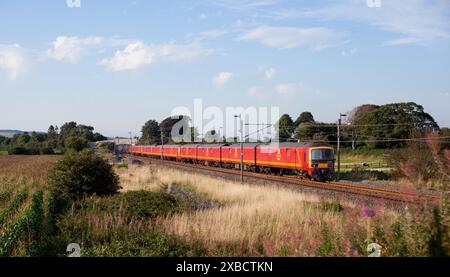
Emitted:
<point x="34" y="168"/>
<point x="253" y="215"/>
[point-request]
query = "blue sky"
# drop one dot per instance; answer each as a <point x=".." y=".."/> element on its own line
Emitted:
<point x="115" y="64"/>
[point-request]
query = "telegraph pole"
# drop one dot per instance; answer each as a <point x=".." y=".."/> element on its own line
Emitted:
<point x="242" y="146"/>
<point x="339" y="144"/>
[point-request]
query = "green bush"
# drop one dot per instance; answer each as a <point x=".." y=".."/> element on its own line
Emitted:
<point x="82" y="174"/>
<point x="135" y="204"/>
<point x="356" y="174"/>
<point x="47" y="151"/>
<point x="107" y="145"/>
<point x="122" y="166"/>
<point x="30" y="151"/>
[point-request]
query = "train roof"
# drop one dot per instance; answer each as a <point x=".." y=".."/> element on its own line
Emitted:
<point x="251" y="144"/>
<point x="303" y="144"/>
<point x="212" y="145"/>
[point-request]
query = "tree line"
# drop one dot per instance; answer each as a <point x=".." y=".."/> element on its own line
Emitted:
<point x="69" y="136"/>
<point x="371" y="126"/>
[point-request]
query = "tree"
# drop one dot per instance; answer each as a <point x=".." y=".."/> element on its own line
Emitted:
<point x="52" y="137"/>
<point x="20" y="139"/>
<point x="285" y="127"/>
<point x="98" y="137"/>
<point x="315" y="131"/>
<point x="394" y="121"/>
<point x="359" y="112"/>
<point x="83" y="132"/>
<point x="151" y="133"/>
<point x="67" y="129"/>
<point x="304" y="117"/>
<point x="75" y="143"/>
<point x="349" y="132"/>
<point x="175" y="126"/>
<point x="2" y="140"/>
<point x="79" y="175"/>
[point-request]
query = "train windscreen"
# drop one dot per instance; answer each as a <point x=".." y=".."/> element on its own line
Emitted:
<point x="322" y="155"/>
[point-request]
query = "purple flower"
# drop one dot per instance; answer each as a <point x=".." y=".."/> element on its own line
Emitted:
<point x="368" y="212"/>
<point x="310" y="222"/>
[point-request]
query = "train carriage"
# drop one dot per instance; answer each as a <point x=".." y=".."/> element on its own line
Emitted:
<point x="170" y="152"/>
<point x="281" y="159"/>
<point x="209" y="154"/>
<point x="231" y="156"/>
<point x="188" y="153"/>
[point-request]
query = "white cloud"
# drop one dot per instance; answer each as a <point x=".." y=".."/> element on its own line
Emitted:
<point x="288" y="88"/>
<point x="349" y="53"/>
<point x="70" y="49"/>
<point x="13" y="60"/>
<point x="222" y="78"/>
<point x="316" y="38"/>
<point x="270" y="73"/>
<point x="138" y="54"/>
<point x="133" y="56"/>
<point x="256" y="92"/>
<point x="213" y="33"/>
<point x="418" y="22"/>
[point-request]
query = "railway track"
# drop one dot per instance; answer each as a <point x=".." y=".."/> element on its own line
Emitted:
<point x="391" y="195"/>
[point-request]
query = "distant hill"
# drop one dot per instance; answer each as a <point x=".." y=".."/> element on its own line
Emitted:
<point x="11" y="133"/>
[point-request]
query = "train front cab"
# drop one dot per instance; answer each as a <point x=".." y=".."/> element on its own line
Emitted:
<point x="321" y="163"/>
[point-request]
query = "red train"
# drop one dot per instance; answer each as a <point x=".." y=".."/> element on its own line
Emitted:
<point x="307" y="159"/>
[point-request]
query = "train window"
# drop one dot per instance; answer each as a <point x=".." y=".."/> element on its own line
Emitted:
<point x="304" y="157"/>
<point x="322" y="154"/>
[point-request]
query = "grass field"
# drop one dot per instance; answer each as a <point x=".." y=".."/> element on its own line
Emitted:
<point x="268" y="221"/>
<point x="31" y="167"/>
<point x="3" y="152"/>
<point x="365" y="164"/>
<point x="166" y="212"/>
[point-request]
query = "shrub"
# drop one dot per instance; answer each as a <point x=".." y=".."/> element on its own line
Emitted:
<point x="77" y="175"/>
<point x="356" y="174"/>
<point x="18" y="151"/>
<point x="47" y="151"/>
<point x="135" y="204"/>
<point x="30" y="151"/>
<point x="125" y="166"/>
<point x="422" y="162"/>
<point x="108" y="145"/>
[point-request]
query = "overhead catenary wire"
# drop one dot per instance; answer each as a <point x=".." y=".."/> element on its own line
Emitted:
<point x="442" y="139"/>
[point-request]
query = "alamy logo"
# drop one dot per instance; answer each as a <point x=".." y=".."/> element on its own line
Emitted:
<point x="73" y="3"/>
<point x="73" y="250"/>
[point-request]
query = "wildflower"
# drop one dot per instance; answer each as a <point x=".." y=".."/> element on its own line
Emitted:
<point x="368" y="212"/>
